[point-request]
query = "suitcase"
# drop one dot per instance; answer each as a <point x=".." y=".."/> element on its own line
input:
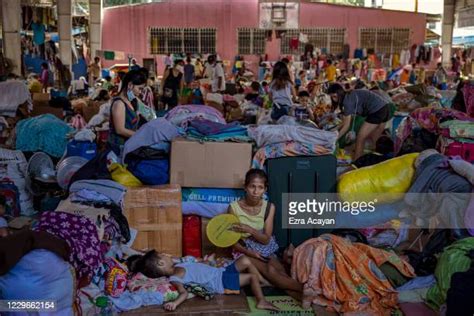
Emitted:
<point x="298" y="175"/>
<point x="451" y="147"/>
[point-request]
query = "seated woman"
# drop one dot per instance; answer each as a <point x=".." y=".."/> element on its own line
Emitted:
<point x="124" y="119"/>
<point x="256" y="223"/>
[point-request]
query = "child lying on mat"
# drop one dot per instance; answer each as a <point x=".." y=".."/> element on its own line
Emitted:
<point x="217" y="280"/>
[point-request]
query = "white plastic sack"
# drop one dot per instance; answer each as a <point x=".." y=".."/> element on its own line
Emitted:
<point x="215" y="97"/>
<point x="13" y="165"/>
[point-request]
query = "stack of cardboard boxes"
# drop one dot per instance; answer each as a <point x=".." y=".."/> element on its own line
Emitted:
<point x="208" y="165"/>
<point x="155" y="211"/>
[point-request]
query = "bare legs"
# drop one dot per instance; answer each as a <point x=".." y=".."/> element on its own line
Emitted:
<point x="367" y="130"/>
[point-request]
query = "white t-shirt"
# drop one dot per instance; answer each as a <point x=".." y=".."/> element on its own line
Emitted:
<point x="218" y="71"/>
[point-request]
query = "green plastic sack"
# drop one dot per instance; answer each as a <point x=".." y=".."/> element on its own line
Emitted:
<point x="121" y="175"/>
<point x="453" y="259"/>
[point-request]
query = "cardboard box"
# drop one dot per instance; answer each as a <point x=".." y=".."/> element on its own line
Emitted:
<point x="91" y="109"/>
<point x="42" y="107"/>
<point x="40" y="96"/>
<point x="209" y="164"/>
<point x="155" y="211"/>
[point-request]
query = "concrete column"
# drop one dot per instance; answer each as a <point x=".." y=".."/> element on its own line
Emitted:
<point x="65" y="31"/>
<point x="11" y="22"/>
<point x="95" y="26"/>
<point x="447" y="31"/>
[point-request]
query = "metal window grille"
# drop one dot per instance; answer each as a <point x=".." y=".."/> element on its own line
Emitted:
<point x="244" y="41"/>
<point x="384" y="40"/>
<point x="191" y="40"/>
<point x="208" y="41"/>
<point x="181" y="40"/>
<point x="332" y="39"/>
<point x="250" y="41"/>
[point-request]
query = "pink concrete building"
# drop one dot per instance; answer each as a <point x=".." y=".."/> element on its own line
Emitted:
<point x="127" y="28"/>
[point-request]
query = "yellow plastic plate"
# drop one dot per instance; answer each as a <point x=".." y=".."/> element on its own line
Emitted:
<point x="219" y="233"/>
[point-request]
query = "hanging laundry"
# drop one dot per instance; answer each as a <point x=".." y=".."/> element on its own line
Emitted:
<point x="303" y="38"/>
<point x="279" y="33"/>
<point x="421" y="53"/>
<point x="413" y="54"/>
<point x="395" y="61"/>
<point x="404" y="57"/>
<point x="345" y="51"/>
<point x="269" y="35"/>
<point x="358" y="54"/>
<point x="428" y="57"/>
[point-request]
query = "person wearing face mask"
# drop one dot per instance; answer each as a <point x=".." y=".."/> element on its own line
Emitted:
<point x="173" y="83"/>
<point x="124" y="118"/>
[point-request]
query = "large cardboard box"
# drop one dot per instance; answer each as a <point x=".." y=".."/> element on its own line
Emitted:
<point x="155" y="211"/>
<point x="40" y="96"/>
<point x="209" y="164"/>
<point x="91" y="109"/>
<point x="42" y="107"/>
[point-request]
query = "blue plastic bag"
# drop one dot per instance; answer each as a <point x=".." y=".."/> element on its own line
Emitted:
<point x="151" y="172"/>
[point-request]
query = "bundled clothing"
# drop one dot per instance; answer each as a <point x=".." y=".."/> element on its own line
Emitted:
<point x="81" y="236"/>
<point x="12" y="94"/>
<point x="155" y="132"/>
<point x="182" y="114"/>
<point x="112" y="190"/>
<point x="13" y="247"/>
<point x="205" y="130"/>
<point x="428" y="118"/>
<point x="265" y="135"/>
<point x="43" y="133"/>
<point x="436" y="180"/>
<point x="358" y="285"/>
<point x="455" y="258"/>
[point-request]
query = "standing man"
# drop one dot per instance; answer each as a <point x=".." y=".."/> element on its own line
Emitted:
<point x="189" y="72"/>
<point x="94" y="70"/>
<point x="134" y="65"/>
<point x="218" y="77"/>
<point x="39" y="36"/>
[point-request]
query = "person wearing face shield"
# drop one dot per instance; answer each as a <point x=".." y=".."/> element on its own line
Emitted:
<point x="373" y="107"/>
<point x="173" y="83"/>
<point x="124" y="118"/>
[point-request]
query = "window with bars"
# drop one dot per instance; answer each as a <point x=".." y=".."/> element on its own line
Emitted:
<point x="250" y="41"/>
<point x="181" y="40"/>
<point x="330" y="38"/>
<point x="384" y="40"/>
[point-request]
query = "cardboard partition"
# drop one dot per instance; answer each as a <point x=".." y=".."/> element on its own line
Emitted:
<point x="209" y="164"/>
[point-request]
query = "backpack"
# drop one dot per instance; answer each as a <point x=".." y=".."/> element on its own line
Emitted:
<point x="425" y="262"/>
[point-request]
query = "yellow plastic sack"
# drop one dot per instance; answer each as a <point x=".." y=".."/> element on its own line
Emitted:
<point x="392" y="178"/>
<point x="121" y="175"/>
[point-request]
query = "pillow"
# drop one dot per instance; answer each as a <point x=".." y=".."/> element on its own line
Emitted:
<point x="140" y="282"/>
<point x="463" y="168"/>
<point x="115" y="278"/>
